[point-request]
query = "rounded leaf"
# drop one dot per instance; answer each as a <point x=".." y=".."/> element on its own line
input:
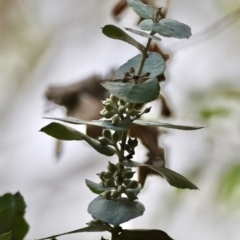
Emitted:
<point x="154" y="64"/>
<point x="146" y="25"/>
<point x="115" y="211"/>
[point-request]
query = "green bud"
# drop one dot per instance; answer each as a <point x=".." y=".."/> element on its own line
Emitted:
<point x="121" y="109"/>
<point x="133" y="112"/>
<point x="104" y="141"/>
<point x="131" y="195"/>
<point x="107" y="194"/>
<point x="108" y="175"/>
<point x="116" y="137"/>
<point x="101" y="175"/>
<point x="107" y="133"/>
<point x="131" y="70"/>
<point x="133" y="184"/>
<point x="110" y="106"/>
<point x="111" y="167"/>
<point x="122" y="102"/>
<point x="126" y="182"/>
<point x="120" y="167"/>
<point x="115" y="194"/>
<point x="115" y="120"/>
<point x="122" y="189"/>
<point x="114" y="99"/>
<point x="129" y="105"/>
<point x="109" y="114"/>
<point x="128" y="174"/>
<point x="119" y="180"/>
<point x="109" y="183"/>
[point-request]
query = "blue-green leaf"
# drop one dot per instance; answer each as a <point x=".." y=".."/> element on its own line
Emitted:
<point x="164" y="125"/>
<point x="154" y="64"/>
<point x="63" y="132"/>
<point x="135" y="93"/>
<point x="172" y="28"/>
<point x="114" y="32"/>
<point x="95" y="187"/>
<point x="123" y="126"/>
<point x="98" y="227"/>
<point x="12" y="210"/>
<point x="115" y="211"/>
<point x="143" y="10"/>
<point x="143" y="34"/>
<point x="146" y="24"/>
<point x="173" y="178"/>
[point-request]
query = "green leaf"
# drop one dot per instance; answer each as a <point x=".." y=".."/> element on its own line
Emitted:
<point x="164" y="125"/>
<point x="99" y="227"/>
<point x="12" y="210"/>
<point x="143" y="34"/>
<point x="95" y="187"/>
<point x="143" y="10"/>
<point x="146" y="25"/>
<point x="142" y="234"/>
<point x="123" y="126"/>
<point x="115" y="211"/>
<point x="63" y="132"/>
<point x="154" y="64"/>
<point x="172" y="28"/>
<point x="173" y="178"/>
<point x="6" y="236"/>
<point x="114" y="32"/>
<point x="135" y="93"/>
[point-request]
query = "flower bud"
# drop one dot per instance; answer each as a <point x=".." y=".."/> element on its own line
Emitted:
<point x="133" y="184"/>
<point x="108" y="175"/>
<point x="104" y="141"/>
<point x="126" y="182"/>
<point x="114" y="98"/>
<point x="131" y="195"/>
<point x="129" y="105"/>
<point x="111" y="167"/>
<point x="122" y="189"/>
<point x="122" y="102"/>
<point x="115" y="120"/>
<point x="128" y="174"/>
<point x="107" y="133"/>
<point x="121" y="109"/>
<point x="115" y="194"/>
<point x="107" y="194"/>
<point x="109" y="183"/>
<point x="120" y="167"/>
<point x="101" y="175"/>
<point x="133" y="112"/>
<point x="116" y="137"/>
<point x="109" y="114"/>
<point x="119" y="180"/>
<point x="109" y="106"/>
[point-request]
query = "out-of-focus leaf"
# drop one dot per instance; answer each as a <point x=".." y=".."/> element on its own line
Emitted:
<point x="173" y="178"/>
<point x="123" y="126"/>
<point x="154" y="64"/>
<point x="100" y="227"/>
<point x="12" y="210"/>
<point x="172" y="28"/>
<point x="6" y="236"/>
<point x="143" y="34"/>
<point x="216" y="112"/>
<point x="114" y="32"/>
<point x="142" y="234"/>
<point x="146" y="24"/>
<point x="143" y="10"/>
<point x="115" y="211"/>
<point x="63" y="132"/>
<point x="95" y="187"/>
<point x="229" y="183"/>
<point x="165" y="125"/>
<point x="135" y="93"/>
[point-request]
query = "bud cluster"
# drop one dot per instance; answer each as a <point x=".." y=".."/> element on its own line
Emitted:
<point x="117" y="109"/>
<point x="109" y="138"/>
<point x="117" y="179"/>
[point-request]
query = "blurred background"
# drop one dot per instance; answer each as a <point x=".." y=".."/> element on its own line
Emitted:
<point x="58" y="43"/>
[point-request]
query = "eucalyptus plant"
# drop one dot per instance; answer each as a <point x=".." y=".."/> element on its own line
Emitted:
<point x="137" y="84"/>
